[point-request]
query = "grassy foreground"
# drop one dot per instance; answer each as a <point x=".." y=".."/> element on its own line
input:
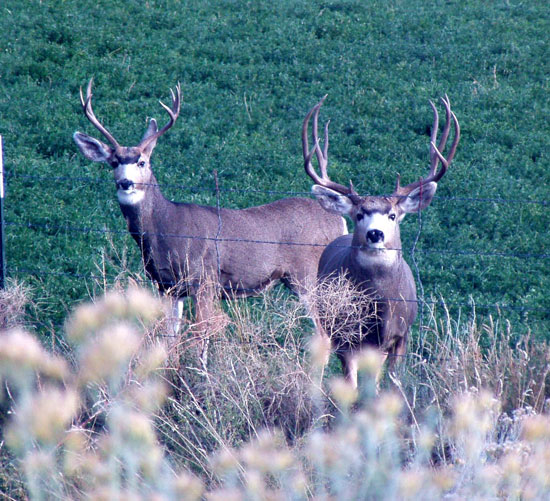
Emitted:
<point x="249" y="72"/>
<point x="466" y="416"/>
<point x="114" y="419"/>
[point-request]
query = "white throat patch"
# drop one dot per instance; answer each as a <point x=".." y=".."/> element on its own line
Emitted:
<point x="374" y="257"/>
<point x="130" y="197"/>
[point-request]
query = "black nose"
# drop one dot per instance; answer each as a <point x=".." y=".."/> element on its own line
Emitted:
<point x="124" y="184"/>
<point x="375" y="236"/>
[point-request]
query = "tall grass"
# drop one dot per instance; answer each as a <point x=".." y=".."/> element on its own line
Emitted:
<point x="465" y="416"/>
<point x="249" y="72"/>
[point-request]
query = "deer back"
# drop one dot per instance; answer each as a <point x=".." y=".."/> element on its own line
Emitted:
<point x="185" y="245"/>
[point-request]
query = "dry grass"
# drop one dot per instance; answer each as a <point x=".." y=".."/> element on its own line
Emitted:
<point x="449" y="357"/>
<point x="14" y="299"/>
<point x="120" y="422"/>
<point x="257" y="379"/>
<point x="341" y="308"/>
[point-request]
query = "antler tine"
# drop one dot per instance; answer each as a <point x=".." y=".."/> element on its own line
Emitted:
<point x="397" y="184"/>
<point x="305" y="144"/>
<point x="434" y="157"/>
<point x="89" y="112"/>
<point x="447" y="128"/>
<point x="173" y="113"/>
<point x="456" y="139"/>
<point x="435" y="150"/>
<point x="321" y="154"/>
<point x="433" y="138"/>
<point x="324" y="153"/>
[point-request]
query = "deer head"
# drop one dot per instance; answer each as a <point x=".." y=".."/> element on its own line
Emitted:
<point x="376" y="238"/>
<point x="131" y="165"/>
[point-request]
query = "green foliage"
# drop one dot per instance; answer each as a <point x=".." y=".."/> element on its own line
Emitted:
<point x="249" y="72"/>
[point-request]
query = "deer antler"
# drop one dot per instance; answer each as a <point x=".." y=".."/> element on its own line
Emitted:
<point x="172" y="112"/>
<point x="322" y="155"/>
<point x="89" y="112"/>
<point x="435" y="151"/>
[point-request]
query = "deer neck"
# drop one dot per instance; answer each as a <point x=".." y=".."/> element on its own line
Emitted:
<point x="141" y="217"/>
<point x="151" y="223"/>
<point x="373" y="264"/>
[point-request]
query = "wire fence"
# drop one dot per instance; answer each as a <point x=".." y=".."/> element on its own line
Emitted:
<point x="72" y="180"/>
<point x="434" y="302"/>
<point x="66" y="228"/>
<point x="56" y="229"/>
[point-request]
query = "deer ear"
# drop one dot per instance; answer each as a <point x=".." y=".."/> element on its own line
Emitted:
<point x="152" y="129"/>
<point x="419" y="198"/>
<point x="332" y="201"/>
<point x="91" y="148"/>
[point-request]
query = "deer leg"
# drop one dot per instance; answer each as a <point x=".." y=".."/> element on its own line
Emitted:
<point x="177" y="315"/>
<point x="209" y="319"/>
<point x="349" y="366"/>
<point x="381" y="371"/>
<point x="397" y="354"/>
<point x="174" y="321"/>
<point x="204" y="305"/>
<point x="322" y="351"/>
<point x="322" y="345"/>
<point x="173" y="328"/>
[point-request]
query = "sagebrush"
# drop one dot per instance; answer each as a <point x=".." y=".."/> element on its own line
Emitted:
<point x="121" y="421"/>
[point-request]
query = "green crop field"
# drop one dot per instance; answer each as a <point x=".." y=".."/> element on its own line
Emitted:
<point x="249" y="72"/>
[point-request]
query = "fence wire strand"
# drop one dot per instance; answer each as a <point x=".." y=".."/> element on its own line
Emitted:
<point x="440" y="303"/>
<point x="199" y="189"/>
<point x="217" y="238"/>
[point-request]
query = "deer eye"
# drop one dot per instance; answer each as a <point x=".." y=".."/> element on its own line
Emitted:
<point x="141" y="163"/>
<point x="392" y="217"/>
<point x="359" y="216"/>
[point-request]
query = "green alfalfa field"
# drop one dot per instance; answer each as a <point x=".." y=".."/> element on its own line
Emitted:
<point x="249" y="72"/>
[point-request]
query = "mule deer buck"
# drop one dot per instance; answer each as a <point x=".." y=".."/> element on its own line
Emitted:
<point x="198" y="251"/>
<point x="371" y="258"/>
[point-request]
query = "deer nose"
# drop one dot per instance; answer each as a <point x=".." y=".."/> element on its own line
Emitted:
<point x="375" y="236"/>
<point x="124" y="184"/>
